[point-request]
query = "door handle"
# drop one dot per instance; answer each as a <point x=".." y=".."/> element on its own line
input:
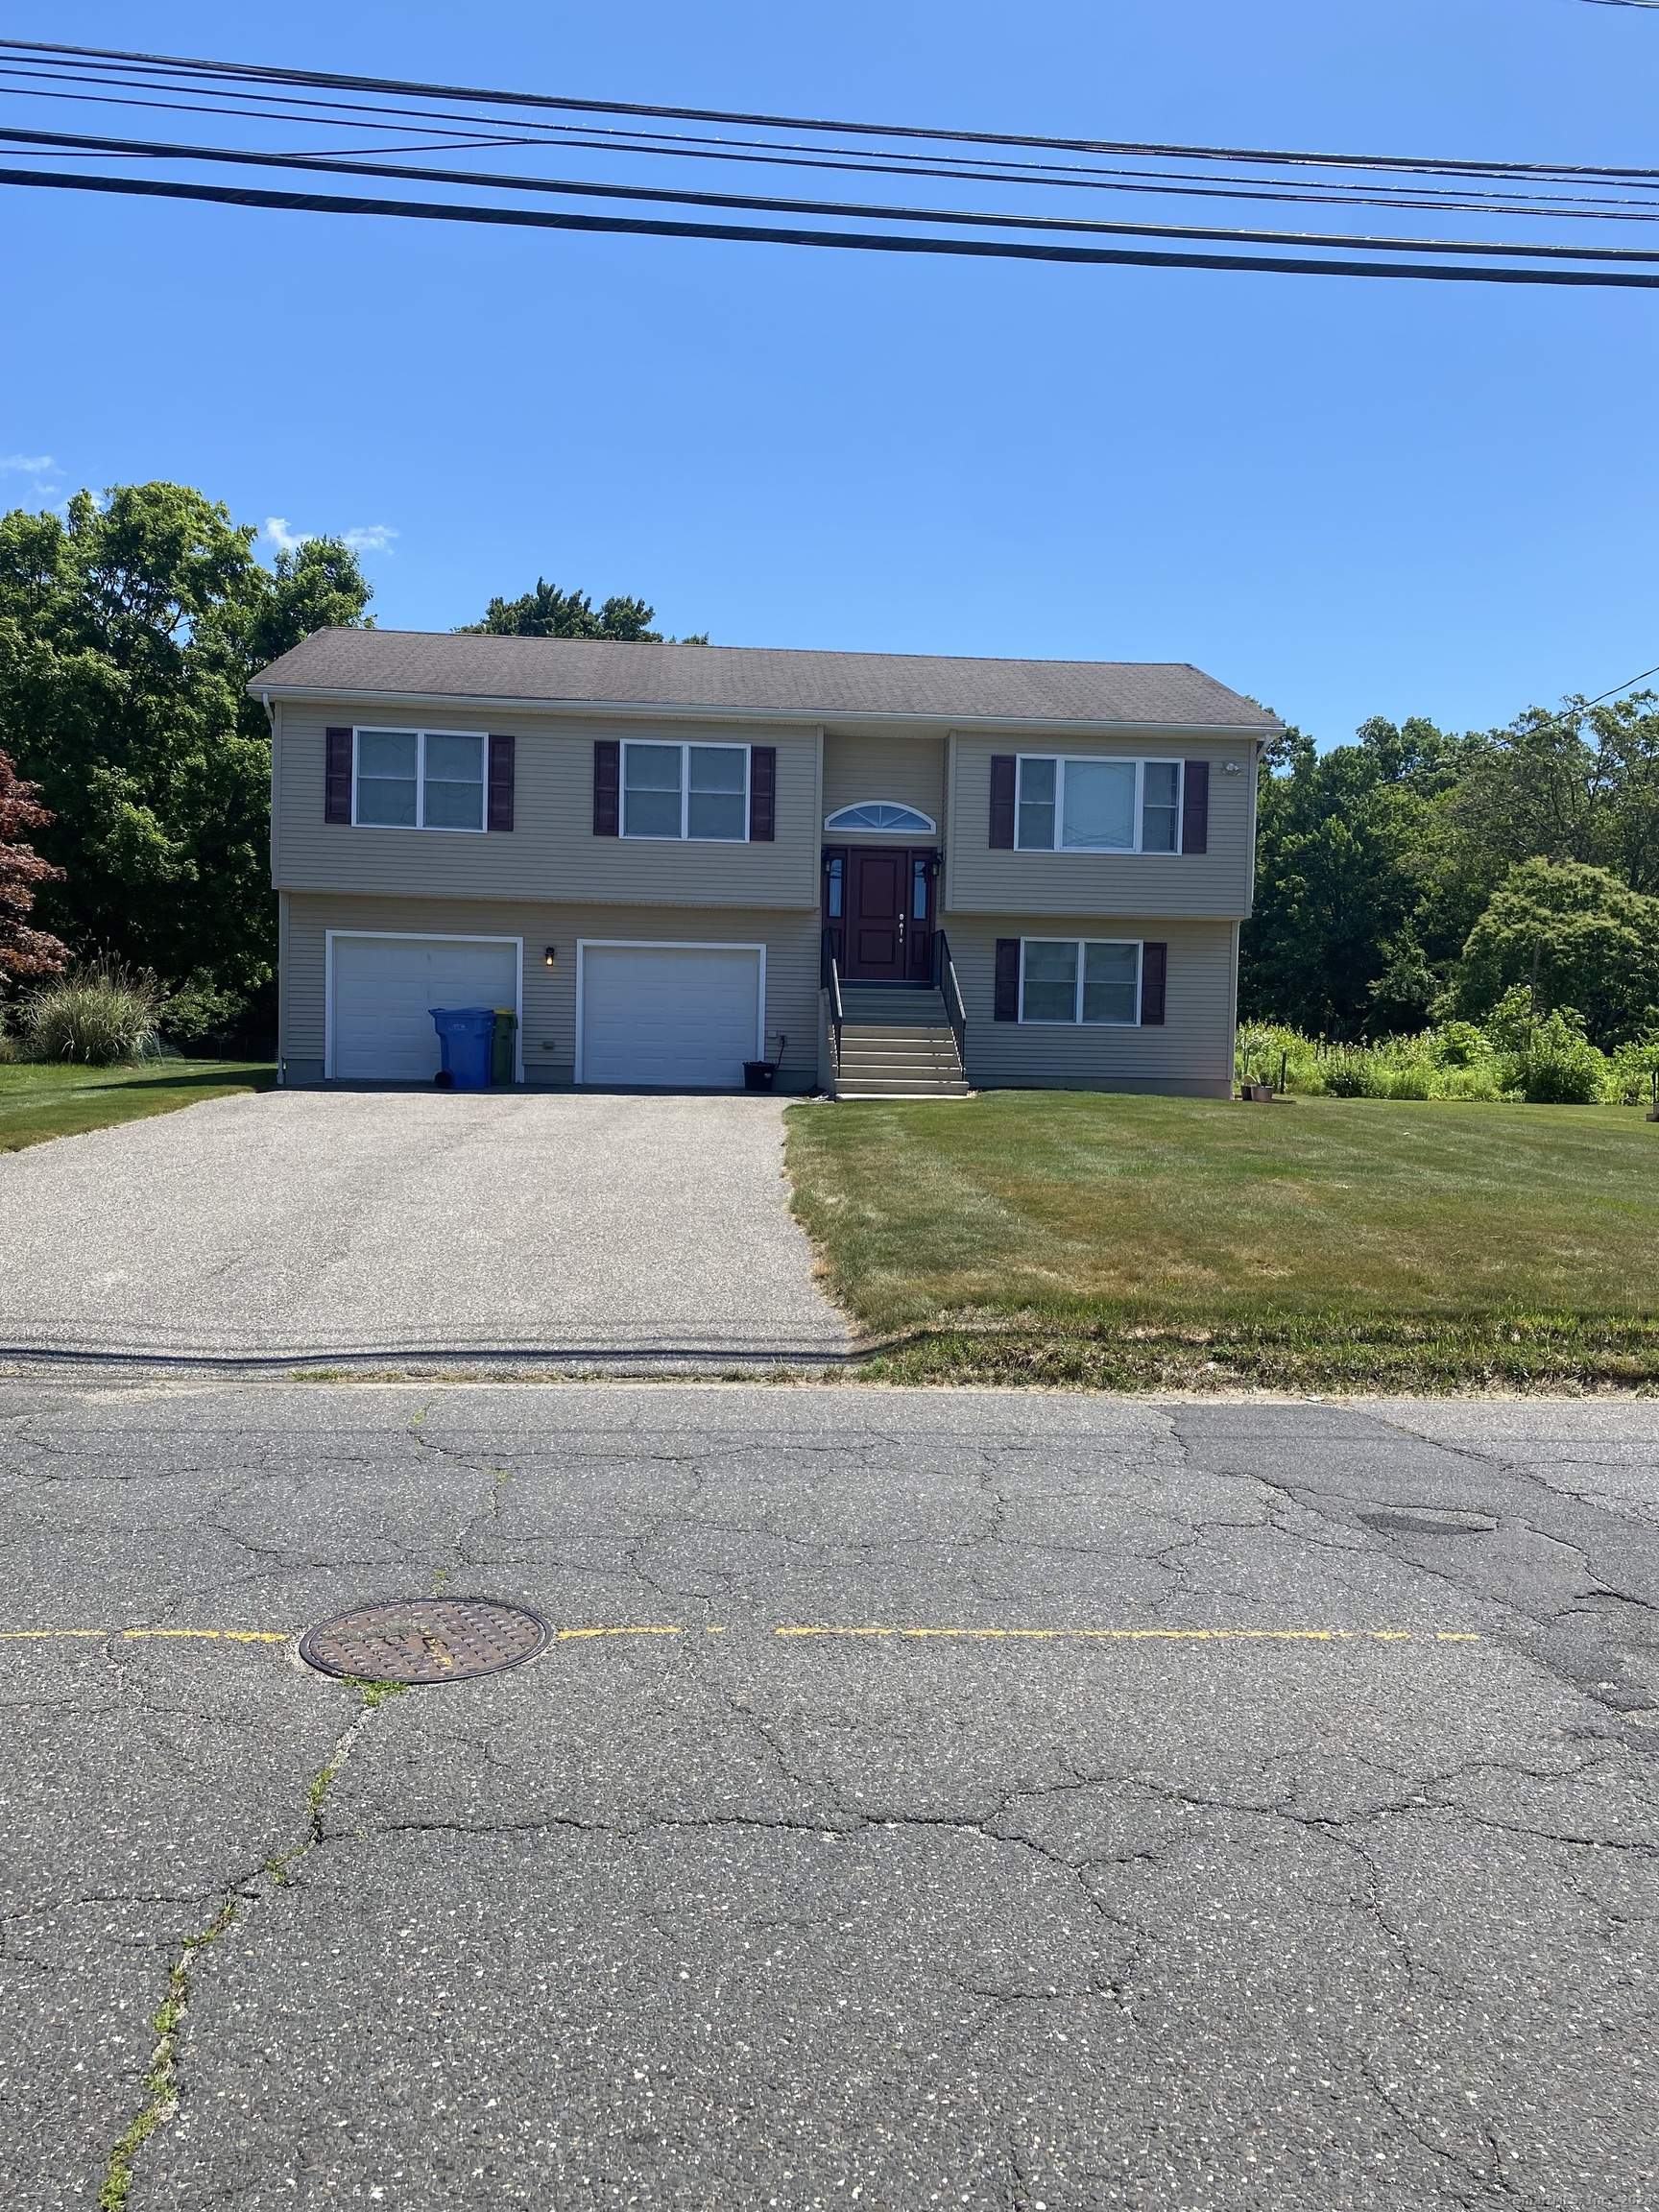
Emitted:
<point x="900" y="929"/>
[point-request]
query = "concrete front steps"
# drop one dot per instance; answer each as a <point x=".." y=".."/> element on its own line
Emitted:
<point x="897" y="1044"/>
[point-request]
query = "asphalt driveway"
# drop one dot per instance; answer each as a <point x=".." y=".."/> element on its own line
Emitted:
<point x="350" y="1226"/>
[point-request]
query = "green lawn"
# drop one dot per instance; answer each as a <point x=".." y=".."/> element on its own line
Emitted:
<point x="37" y="1102"/>
<point x="1311" y="1245"/>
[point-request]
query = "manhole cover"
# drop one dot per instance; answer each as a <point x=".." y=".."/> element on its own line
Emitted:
<point x="425" y="1640"/>
<point x="1427" y="1524"/>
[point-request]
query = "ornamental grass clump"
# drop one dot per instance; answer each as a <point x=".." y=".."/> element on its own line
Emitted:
<point x="101" y="1015"/>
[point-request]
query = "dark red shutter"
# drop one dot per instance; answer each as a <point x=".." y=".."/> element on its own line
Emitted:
<point x="1154" y="976"/>
<point x="337" y="777"/>
<point x="607" y="787"/>
<point x="1195" y="810"/>
<point x="1004" y="769"/>
<point x="1007" y="1005"/>
<point x="763" y="793"/>
<point x="502" y="752"/>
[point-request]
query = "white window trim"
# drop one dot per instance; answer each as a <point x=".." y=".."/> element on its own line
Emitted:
<point x="667" y="944"/>
<point x="702" y="744"/>
<point x="1061" y="762"/>
<point x="423" y="937"/>
<point x="1077" y="1022"/>
<point x="437" y="828"/>
<point x="834" y="825"/>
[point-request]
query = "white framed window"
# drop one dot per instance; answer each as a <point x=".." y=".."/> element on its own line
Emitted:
<point x="417" y="780"/>
<point x="1090" y="979"/>
<point x="698" y="791"/>
<point x="883" y="815"/>
<point x="1076" y="805"/>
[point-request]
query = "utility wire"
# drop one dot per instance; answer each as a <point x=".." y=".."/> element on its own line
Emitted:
<point x="249" y="72"/>
<point x="1181" y="185"/>
<point x="674" y="143"/>
<point x="869" y="241"/>
<point x="29" y="141"/>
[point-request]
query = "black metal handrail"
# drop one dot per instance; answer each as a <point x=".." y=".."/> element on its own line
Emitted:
<point x="956" y="1011"/>
<point x="829" y="977"/>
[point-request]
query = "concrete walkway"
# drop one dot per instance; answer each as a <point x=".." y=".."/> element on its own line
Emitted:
<point x="329" y="1225"/>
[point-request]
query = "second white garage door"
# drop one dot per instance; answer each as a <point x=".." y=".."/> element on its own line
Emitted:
<point x="684" y="1017"/>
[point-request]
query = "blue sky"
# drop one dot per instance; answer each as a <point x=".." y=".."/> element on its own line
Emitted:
<point x="1346" y="498"/>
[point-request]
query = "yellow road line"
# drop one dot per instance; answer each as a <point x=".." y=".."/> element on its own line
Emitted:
<point x="818" y="1629"/>
<point x="565" y="1635"/>
<point x="1162" y="1635"/>
<point x="132" y="1635"/>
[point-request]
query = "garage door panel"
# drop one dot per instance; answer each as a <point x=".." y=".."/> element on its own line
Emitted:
<point x="683" y="1016"/>
<point x="384" y="991"/>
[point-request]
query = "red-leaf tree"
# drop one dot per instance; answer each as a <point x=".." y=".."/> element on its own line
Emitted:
<point x="23" y="951"/>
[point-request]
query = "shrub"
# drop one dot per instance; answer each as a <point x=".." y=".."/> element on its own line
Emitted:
<point x="1268" y="1052"/>
<point x="1411" y="1080"/>
<point x="102" y="1014"/>
<point x="1555" y="1064"/>
<point x="198" y="1009"/>
<point x="1457" y="1044"/>
<point x="1354" y="1072"/>
<point x="1631" y="1070"/>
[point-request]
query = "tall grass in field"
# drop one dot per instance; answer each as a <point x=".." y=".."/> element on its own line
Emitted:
<point x="1542" y="1060"/>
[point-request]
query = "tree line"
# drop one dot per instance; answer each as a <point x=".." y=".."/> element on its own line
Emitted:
<point x="1413" y="876"/>
<point x="1417" y="876"/>
<point x="134" y="767"/>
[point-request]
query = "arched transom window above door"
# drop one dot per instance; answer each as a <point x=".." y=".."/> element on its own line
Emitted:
<point x="883" y="815"/>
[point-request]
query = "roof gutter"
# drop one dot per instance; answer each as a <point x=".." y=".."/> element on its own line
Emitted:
<point x="814" y="717"/>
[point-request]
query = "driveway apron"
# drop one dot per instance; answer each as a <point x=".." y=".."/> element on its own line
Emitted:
<point x="321" y="1225"/>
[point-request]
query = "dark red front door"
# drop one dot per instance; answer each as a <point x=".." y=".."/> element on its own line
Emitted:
<point x="884" y="928"/>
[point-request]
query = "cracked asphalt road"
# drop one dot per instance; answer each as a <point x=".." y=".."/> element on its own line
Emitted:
<point x="1042" y="1923"/>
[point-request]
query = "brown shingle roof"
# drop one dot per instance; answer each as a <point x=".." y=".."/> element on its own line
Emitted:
<point x="419" y="663"/>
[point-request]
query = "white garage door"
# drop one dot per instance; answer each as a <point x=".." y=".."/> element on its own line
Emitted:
<point x="384" y="988"/>
<point x="683" y="1016"/>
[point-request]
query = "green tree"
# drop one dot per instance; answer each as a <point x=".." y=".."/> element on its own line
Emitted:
<point x="1343" y="853"/>
<point x="1378" y="859"/>
<point x="128" y="634"/>
<point x="1592" y="942"/>
<point x="549" y="613"/>
<point x="1580" y="784"/>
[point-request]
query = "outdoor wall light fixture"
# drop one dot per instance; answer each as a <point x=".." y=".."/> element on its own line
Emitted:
<point x="1230" y="768"/>
<point x="550" y="955"/>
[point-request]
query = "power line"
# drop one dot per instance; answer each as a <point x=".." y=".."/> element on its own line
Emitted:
<point x="354" y="166"/>
<point x="870" y="241"/>
<point x="1155" y="182"/>
<point x="257" y="73"/>
<point x="1151" y="182"/>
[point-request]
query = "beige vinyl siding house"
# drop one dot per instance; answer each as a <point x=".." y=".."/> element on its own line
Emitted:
<point x="872" y="871"/>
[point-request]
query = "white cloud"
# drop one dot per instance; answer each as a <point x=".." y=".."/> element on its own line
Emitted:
<point x="29" y="463"/>
<point x="364" y="537"/>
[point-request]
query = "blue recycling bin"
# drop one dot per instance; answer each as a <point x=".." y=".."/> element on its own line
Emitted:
<point x="465" y="1037"/>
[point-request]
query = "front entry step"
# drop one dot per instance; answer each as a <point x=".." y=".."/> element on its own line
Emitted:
<point x="897" y="1044"/>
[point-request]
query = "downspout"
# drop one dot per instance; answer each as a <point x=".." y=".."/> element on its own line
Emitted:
<point x="270" y="718"/>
